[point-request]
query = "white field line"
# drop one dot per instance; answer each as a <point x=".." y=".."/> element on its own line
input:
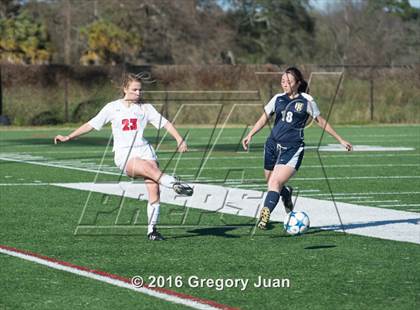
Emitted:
<point x="383" y="136"/>
<point x="244" y="157"/>
<point x="308" y="166"/>
<point x="311" y="152"/>
<point x="402" y="205"/>
<point x="260" y="156"/>
<point x="303" y="167"/>
<point x="24" y="184"/>
<point x="150" y="133"/>
<point x="366" y="193"/>
<point x="172" y="169"/>
<point x="57" y="166"/>
<point x="357" y="219"/>
<point x="358" y="148"/>
<point x="309" y="203"/>
<point x="196" y="141"/>
<point x="194" y="144"/>
<point x="250" y="185"/>
<point x="375" y="201"/>
<point x="238" y="181"/>
<point x="25" y="145"/>
<point x="312" y="136"/>
<point x="193" y="140"/>
<point x="359" y="139"/>
<point x="245" y="185"/>
<point x="207" y="180"/>
<point x="83" y="163"/>
<point x="115" y="280"/>
<point x="354" y="197"/>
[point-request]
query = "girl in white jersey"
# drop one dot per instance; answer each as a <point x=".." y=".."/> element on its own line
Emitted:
<point x="132" y="153"/>
<point x="284" y="149"/>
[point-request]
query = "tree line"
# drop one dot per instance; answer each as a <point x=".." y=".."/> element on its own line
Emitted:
<point x="107" y="32"/>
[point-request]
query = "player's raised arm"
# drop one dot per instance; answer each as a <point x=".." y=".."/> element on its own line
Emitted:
<point x="182" y="145"/>
<point x="328" y="128"/>
<point x="257" y="127"/>
<point x="84" y="129"/>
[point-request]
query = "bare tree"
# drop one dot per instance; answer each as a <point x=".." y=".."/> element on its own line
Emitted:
<point x="360" y="33"/>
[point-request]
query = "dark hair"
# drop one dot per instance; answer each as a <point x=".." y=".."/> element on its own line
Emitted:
<point x="303" y="87"/>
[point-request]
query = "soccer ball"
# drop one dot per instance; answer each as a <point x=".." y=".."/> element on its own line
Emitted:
<point x="296" y="223"/>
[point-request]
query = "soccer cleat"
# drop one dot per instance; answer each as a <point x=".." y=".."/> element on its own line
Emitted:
<point x="287" y="199"/>
<point x="182" y="188"/>
<point x="264" y="218"/>
<point x="155" y="235"/>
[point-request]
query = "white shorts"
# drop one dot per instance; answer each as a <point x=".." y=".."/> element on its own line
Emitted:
<point x="122" y="156"/>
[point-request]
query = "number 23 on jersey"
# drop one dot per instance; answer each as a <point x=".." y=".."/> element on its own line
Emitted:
<point x="129" y="124"/>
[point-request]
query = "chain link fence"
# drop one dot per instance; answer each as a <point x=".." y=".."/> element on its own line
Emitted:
<point x="57" y="94"/>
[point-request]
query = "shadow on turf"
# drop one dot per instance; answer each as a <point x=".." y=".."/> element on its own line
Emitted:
<point x="318" y="247"/>
<point x="219" y="231"/>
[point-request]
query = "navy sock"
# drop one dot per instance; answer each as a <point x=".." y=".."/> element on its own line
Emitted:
<point x="284" y="192"/>
<point x="271" y="200"/>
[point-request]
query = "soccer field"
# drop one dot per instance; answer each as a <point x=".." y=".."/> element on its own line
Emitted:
<point x="104" y="235"/>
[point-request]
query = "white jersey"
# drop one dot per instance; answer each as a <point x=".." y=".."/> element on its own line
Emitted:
<point x="128" y="123"/>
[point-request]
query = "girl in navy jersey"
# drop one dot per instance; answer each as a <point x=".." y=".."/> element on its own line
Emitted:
<point x="284" y="148"/>
<point x="132" y="153"/>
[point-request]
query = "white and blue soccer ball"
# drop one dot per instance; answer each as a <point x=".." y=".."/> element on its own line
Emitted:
<point x="296" y="223"/>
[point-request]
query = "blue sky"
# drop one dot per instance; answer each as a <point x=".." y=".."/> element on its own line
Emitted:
<point x="321" y="4"/>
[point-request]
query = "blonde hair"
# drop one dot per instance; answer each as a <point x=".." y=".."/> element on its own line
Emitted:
<point x="128" y="78"/>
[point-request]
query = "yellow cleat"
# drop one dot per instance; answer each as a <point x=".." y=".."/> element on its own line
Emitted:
<point x="264" y="218"/>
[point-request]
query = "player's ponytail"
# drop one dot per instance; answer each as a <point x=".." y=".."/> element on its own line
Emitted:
<point x="303" y="85"/>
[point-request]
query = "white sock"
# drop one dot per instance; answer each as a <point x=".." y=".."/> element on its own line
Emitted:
<point x="167" y="180"/>
<point x="152" y="215"/>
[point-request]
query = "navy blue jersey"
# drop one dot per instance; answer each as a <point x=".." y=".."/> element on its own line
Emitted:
<point x="291" y="117"/>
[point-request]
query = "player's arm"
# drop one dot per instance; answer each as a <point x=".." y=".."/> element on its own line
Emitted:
<point x="257" y="127"/>
<point x="84" y="129"/>
<point x="328" y="128"/>
<point x="182" y="145"/>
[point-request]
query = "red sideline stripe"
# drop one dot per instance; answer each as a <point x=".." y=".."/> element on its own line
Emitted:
<point x="117" y="277"/>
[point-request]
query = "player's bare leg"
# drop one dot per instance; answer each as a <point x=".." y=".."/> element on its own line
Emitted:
<point x="281" y="174"/>
<point x="275" y="181"/>
<point x="137" y="167"/>
<point x="153" y="190"/>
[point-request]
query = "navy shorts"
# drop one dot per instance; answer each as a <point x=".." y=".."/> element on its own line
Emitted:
<point x="277" y="154"/>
